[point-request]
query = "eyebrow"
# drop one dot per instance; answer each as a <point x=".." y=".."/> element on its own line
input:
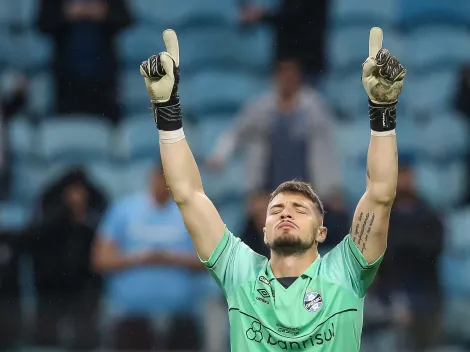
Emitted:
<point x="296" y="204"/>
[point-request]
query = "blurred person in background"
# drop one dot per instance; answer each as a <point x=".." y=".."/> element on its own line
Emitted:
<point x="10" y="104"/>
<point x="147" y="260"/>
<point x="410" y="269"/>
<point x="337" y="219"/>
<point x="252" y="232"/>
<point x="287" y="133"/>
<point x="10" y="308"/>
<point x="67" y="290"/>
<point x="300" y="28"/>
<point x="86" y="62"/>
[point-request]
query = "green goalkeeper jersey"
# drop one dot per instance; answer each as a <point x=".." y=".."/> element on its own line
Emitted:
<point x="321" y="310"/>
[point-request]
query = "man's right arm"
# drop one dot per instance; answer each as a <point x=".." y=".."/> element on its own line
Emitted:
<point x="199" y="214"/>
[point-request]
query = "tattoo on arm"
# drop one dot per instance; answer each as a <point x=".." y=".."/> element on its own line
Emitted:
<point x="363" y="228"/>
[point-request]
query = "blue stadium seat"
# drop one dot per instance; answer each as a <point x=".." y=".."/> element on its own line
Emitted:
<point x="407" y="131"/>
<point x="187" y="13"/>
<point x="28" y="181"/>
<point x="444" y="136"/>
<point x="30" y="51"/>
<point x="235" y="88"/>
<point x="443" y="186"/>
<point x="110" y="177"/>
<point x="347" y="95"/>
<point x="78" y="139"/>
<point x="437" y="47"/>
<point x="348" y="48"/>
<point x="423" y="12"/>
<point x="41" y="96"/>
<point x="21" y="136"/>
<point x="431" y="92"/>
<point x="344" y="12"/>
<point x="138" y="43"/>
<point x="138" y="139"/>
<point x="251" y="49"/>
<point x="233" y="214"/>
<point x="24" y="12"/>
<point x="226" y="184"/>
<point x="454" y="275"/>
<point x="457" y="239"/>
<point x="134" y="95"/>
<point x="13" y="216"/>
<point x="208" y="132"/>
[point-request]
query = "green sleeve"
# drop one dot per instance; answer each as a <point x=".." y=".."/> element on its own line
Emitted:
<point x="346" y="266"/>
<point x="232" y="262"/>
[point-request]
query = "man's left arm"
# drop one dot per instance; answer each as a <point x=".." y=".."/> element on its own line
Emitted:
<point x="383" y="81"/>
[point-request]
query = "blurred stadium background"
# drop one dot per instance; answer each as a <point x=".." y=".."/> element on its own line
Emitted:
<point x="223" y="65"/>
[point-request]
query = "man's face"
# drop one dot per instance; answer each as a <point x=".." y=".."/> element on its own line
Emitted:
<point x="293" y="225"/>
<point x="288" y="77"/>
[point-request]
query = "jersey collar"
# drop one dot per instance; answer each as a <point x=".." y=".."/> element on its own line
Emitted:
<point x="310" y="272"/>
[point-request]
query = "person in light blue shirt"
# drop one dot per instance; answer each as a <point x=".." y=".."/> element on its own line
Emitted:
<point x="148" y="261"/>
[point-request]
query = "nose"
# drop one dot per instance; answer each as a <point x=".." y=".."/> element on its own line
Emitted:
<point x="285" y="214"/>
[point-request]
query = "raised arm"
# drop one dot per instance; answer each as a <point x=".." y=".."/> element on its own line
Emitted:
<point x="383" y="80"/>
<point x="161" y="74"/>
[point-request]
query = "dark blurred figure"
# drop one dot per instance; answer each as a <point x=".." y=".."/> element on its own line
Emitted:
<point x="148" y="262"/>
<point x="287" y="133"/>
<point x="409" y="271"/>
<point x="300" y="27"/>
<point x="50" y="203"/>
<point x="9" y="106"/>
<point x="462" y="104"/>
<point x="252" y="233"/>
<point x="86" y="63"/>
<point x="10" y="316"/>
<point x="67" y="290"/>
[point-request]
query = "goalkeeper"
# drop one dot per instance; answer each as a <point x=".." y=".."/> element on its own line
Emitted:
<point x="297" y="300"/>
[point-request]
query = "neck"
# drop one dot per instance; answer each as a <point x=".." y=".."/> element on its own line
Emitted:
<point x="292" y="265"/>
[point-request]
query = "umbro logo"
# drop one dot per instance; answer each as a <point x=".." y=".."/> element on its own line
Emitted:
<point x="263" y="293"/>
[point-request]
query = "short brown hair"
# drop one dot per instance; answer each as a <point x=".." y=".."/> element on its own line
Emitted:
<point x="299" y="187"/>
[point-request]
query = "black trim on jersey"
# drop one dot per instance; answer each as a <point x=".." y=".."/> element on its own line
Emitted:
<point x="306" y="335"/>
<point x="222" y="251"/>
<point x="357" y="259"/>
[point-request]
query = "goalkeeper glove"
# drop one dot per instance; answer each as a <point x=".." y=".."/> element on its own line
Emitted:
<point x="382" y="77"/>
<point x="161" y="74"/>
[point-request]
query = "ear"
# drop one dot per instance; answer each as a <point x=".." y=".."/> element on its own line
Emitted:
<point x="321" y="234"/>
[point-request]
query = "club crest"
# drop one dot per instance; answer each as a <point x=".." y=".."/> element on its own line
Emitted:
<point x="313" y="301"/>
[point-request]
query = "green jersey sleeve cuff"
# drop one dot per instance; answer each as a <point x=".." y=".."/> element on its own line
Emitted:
<point x="359" y="257"/>
<point x="219" y="249"/>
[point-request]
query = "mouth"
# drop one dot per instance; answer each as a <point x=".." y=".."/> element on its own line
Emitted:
<point x="286" y="225"/>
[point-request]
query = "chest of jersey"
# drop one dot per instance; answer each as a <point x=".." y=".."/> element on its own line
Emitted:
<point x="309" y="313"/>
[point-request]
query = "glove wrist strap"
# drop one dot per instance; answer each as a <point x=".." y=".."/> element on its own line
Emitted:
<point x="168" y="115"/>
<point x="382" y="117"/>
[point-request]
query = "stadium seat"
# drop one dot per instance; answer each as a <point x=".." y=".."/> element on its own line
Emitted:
<point x="30" y="51"/>
<point x="227" y="184"/>
<point x="344" y="12"/>
<point x="110" y="177"/>
<point x="233" y="214"/>
<point x="407" y="131"/>
<point x="249" y="49"/>
<point x="24" y="12"/>
<point x="208" y="132"/>
<point x="78" y="138"/>
<point x="346" y="95"/>
<point x="218" y="91"/>
<point x="457" y="239"/>
<point x="444" y="136"/>
<point x="13" y="216"/>
<point x="21" y="138"/>
<point x="137" y="139"/>
<point x="348" y="48"/>
<point x="134" y="95"/>
<point x="423" y="12"/>
<point x="138" y="43"/>
<point x="188" y="13"/>
<point x="28" y="180"/>
<point x="437" y="47"/>
<point x="41" y="94"/>
<point x="431" y="92"/>
<point x="442" y="185"/>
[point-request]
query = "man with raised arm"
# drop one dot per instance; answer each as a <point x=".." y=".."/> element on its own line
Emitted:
<point x="297" y="300"/>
